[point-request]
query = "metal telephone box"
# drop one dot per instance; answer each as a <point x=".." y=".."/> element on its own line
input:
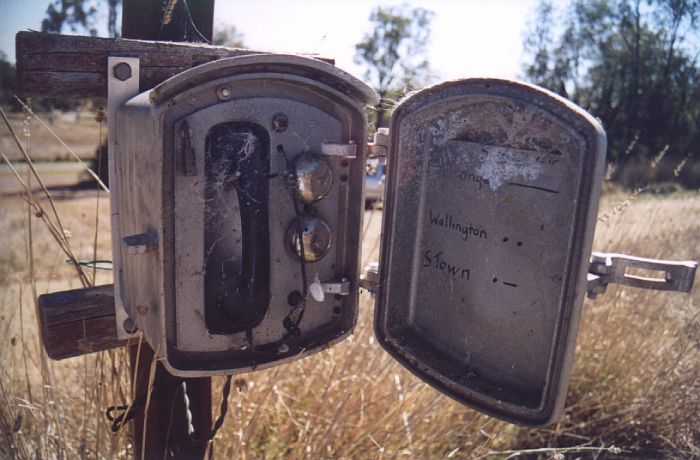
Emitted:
<point x="238" y="189"/>
<point x="237" y="198"/>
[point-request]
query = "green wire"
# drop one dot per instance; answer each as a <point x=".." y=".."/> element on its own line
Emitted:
<point x="97" y="264"/>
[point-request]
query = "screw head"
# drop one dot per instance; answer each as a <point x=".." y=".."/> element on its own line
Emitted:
<point x="283" y="348"/>
<point x="122" y="71"/>
<point x="223" y="92"/>
<point x="280" y="122"/>
<point x="186" y="132"/>
<point x="129" y="326"/>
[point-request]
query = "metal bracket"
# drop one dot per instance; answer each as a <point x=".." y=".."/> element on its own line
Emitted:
<point x="369" y="279"/>
<point x="341" y="287"/>
<point x="141" y="243"/>
<point x="122" y="84"/>
<point x="380" y="147"/>
<point x="613" y="268"/>
<point x="339" y="150"/>
<point x="604" y="269"/>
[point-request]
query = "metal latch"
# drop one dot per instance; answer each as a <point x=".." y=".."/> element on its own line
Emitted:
<point x="369" y="279"/>
<point x="615" y="268"/>
<point x="380" y="147"/>
<point x="319" y="290"/>
<point x="339" y="150"/>
<point x="341" y="287"/>
<point x="141" y="243"/>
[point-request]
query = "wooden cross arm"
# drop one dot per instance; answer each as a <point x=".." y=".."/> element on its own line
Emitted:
<point x="67" y="66"/>
<point x="78" y="322"/>
<point x="63" y="66"/>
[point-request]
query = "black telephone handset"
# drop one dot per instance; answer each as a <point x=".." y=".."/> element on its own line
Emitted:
<point x="237" y="162"/>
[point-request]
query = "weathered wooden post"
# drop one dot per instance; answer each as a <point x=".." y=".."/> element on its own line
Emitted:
<point x="83" y="320"/>
<point x="157" y="434"/>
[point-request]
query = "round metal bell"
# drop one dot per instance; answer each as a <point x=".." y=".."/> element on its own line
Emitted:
<point x="315" y="235"/>
<point x="314" y="176"/>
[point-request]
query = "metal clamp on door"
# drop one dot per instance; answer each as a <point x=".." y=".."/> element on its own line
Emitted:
<point x="369" y="279"/>
<point x="618" y="269"/>
<point x="380" y="146"/>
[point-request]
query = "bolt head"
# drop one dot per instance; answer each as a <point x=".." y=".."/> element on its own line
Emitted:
<point x="122" y="71"/>
<point x="223" y="92"/>
<point x="129" y="326"/>
<point x="186" y="132"/>
<point x="280" y="122"/>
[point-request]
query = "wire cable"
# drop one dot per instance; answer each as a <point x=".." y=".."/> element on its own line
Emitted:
<point x="289" y="323"/>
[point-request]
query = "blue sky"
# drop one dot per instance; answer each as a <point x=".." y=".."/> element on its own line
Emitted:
<point x="469" y="37"/>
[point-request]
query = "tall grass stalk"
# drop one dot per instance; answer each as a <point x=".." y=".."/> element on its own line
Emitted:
<point x="75" y="156"/>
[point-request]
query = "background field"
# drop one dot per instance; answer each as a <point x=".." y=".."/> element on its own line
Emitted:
<point x="635" y="388"/>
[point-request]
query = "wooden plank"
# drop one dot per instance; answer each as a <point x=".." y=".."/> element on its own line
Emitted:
<point x="63" y="66"/>
<point x="78" y="322"/>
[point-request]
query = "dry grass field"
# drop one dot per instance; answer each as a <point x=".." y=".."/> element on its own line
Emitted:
<point x="635" y="388"/>
<point x="76" y="129"/>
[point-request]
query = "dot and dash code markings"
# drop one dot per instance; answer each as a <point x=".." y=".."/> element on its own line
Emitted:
<point x="495" y="280"/>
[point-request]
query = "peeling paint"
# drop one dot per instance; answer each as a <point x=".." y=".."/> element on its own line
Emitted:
<point x="501" y="166"/>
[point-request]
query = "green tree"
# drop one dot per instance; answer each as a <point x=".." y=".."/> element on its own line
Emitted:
<point x="8" y="83"/>
<point x="112" y="7"/>
<point x="76" y="14"/>
<point x="631" y="63"/>
<point x="394" y="53"/>
<point x="228" y="35"/>
<point x="79" y="16"/>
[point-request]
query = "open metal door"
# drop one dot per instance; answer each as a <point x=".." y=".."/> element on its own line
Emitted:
<point x="492" y="195"/>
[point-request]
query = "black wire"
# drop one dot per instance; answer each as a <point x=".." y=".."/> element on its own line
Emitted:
<point x="129" y="412"/>
<point x="91" y="263"/>
<point x="300" y="230"/>
<point x="223" y="410"/>
<point x="194" y="26"/>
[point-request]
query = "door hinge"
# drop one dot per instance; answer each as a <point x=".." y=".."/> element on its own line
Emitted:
<point x="369" y="279"/>
<point x="341" y="287"/>
<point x="348" y="150"/>
<point x="618" y="269"/>
<point x="380" y="147"/>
